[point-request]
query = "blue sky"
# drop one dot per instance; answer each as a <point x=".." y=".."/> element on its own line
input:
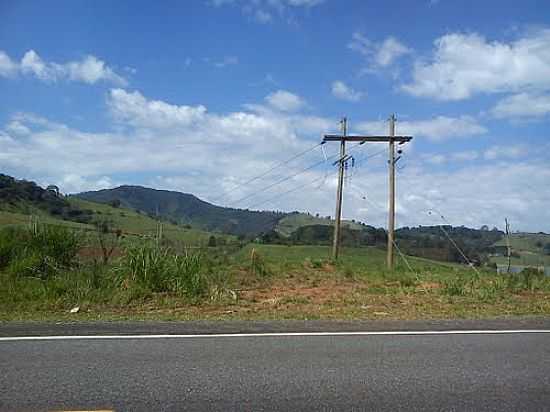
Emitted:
<point x="196" y="96"/>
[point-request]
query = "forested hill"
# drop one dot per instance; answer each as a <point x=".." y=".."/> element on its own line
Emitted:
<point x="184" y="208"/>
<point x="22" y="196"/>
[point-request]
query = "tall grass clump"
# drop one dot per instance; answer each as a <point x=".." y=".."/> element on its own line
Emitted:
<point x="149" y="267"/>
<point x="488" y="288"/>
<point x="41" y="252"/>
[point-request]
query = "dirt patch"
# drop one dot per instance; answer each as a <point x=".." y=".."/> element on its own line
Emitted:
<point x="325" y="291"/>
<point x="90" y="252"/>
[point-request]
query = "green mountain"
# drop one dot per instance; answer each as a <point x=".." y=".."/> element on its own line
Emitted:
<point x="184" y="208"/>
<point x="27" y="198"/>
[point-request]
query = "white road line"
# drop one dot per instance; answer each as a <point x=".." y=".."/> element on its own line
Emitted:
<point x="276" y="334"/>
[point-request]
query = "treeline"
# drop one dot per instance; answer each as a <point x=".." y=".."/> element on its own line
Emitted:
<point x="187" y="209"/>
<point x="22" y="196"/>
<point x="324" y="234"/>
<point x="432" y="242"/>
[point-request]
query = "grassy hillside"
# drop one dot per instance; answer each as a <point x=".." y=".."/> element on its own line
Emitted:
<point x="292" y="222"/>
<point x="24" y="197"/>
<point x="185" y="208"/>
<point x="527" y="249"/>
<point x="129" y="222"/>
<point x="136" y="223"/>
<point x="18" y="219"/>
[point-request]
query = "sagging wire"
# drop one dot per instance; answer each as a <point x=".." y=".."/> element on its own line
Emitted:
<point x="326" y="167"/>
<point x="452" y="240"/>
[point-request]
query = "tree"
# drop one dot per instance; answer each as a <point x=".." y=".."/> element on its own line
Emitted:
<point x="108" y="239"/>
<point x="212" y="241"/>
<point x="115" y="203"/>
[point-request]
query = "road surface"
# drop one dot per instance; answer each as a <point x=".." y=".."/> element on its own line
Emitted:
<point x="460" y="370"/>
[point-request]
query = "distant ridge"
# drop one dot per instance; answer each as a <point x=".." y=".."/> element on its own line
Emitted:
<point x="185" y="208"/>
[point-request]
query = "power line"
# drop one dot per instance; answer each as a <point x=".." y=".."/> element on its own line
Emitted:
<point x="276" y="166"/>
<point x="279" y="195"/>
<point x="289" y="177"/>
<point x="394" y="243"/>
<point x="452" y="241"/>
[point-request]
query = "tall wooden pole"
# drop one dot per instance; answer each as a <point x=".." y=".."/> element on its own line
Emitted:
<point x="508" y="248"/>
<point x="391" y="217"/>
<point x="338" y="214"/>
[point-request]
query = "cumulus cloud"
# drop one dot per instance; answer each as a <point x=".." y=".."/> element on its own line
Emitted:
<point x="181" y="147"/>
<point x="134" y="109"/>
<point x="437" y="129"/>
<point x="264" y="11"/>
<point x="522" y="105"/>
<point x="227" y="61"/>
<point x="156" y="137"/>
<point x="88" y="70"/>
<point x="8" y="67"/>
<point x="506" y="152"/>
<point x="465" y="156"/>
<point x="465" y="64"/>
<point x="500" y="190"/>
<point x="378" y="55"/>
<point x="342" y="91"/>
<point x="285" y="101"/>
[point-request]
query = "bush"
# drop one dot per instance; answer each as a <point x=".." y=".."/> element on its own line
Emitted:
<point x="147" y="266"/>
<point x="190" y="275"/>
<point x="41" y="253"/>
<point x="528" y="279"/>
<point x="458" y="286"/>
<point x="159" y="270"/>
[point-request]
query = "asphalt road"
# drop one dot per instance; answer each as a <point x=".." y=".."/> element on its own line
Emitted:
<point x="345" y="372"/>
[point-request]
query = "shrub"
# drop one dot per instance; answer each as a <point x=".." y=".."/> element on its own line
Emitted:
<point x="528" y="279"/>
<point x="39" y="253"/>
<point x="458" y="286"/>
<point x="190" y="275"/>
<point x="159" y="270"/>
<point x="148" y="266"/>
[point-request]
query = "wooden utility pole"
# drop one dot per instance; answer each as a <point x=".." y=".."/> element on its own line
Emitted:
<point x="339" y="193"/>
<point x="508" y="247"/>
<point x="391" y="139"/>
<point x="391" y="213"/>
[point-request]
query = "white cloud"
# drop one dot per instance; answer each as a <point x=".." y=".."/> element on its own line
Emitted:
<point x="227" y="61"/>
<point x="342" y="91"/>
<point x="285" y="101"/>
<point x="8" y="67"/>
<point x="506" y="152"/>
<point x="153" y="136"/>
<point x="304" y="3"/>
<point x="88" y="70"/>
<point x="465" y="156"/>
<point x="437" y="129"/>
<point x="263" y="11"/>
<point x="463" y="65"/>
<point x="522" y="105"/>
<point x="379" y="55"/>
<point x="17" y="128"/>
<point x="195" y="151"/>
<point x="262" y="16"/>
<point x="134" y="109"/>
<point x="436" y="159"/>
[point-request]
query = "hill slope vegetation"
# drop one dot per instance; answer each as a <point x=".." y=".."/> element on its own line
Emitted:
<point x="184" y="208"/>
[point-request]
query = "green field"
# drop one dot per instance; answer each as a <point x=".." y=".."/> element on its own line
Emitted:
<point x="132" y="222"/>
<point x="292" y="222"/>
<point x="528" y="248"/>
<point x="42" y="276"/>
<point x="276" y="282"/>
